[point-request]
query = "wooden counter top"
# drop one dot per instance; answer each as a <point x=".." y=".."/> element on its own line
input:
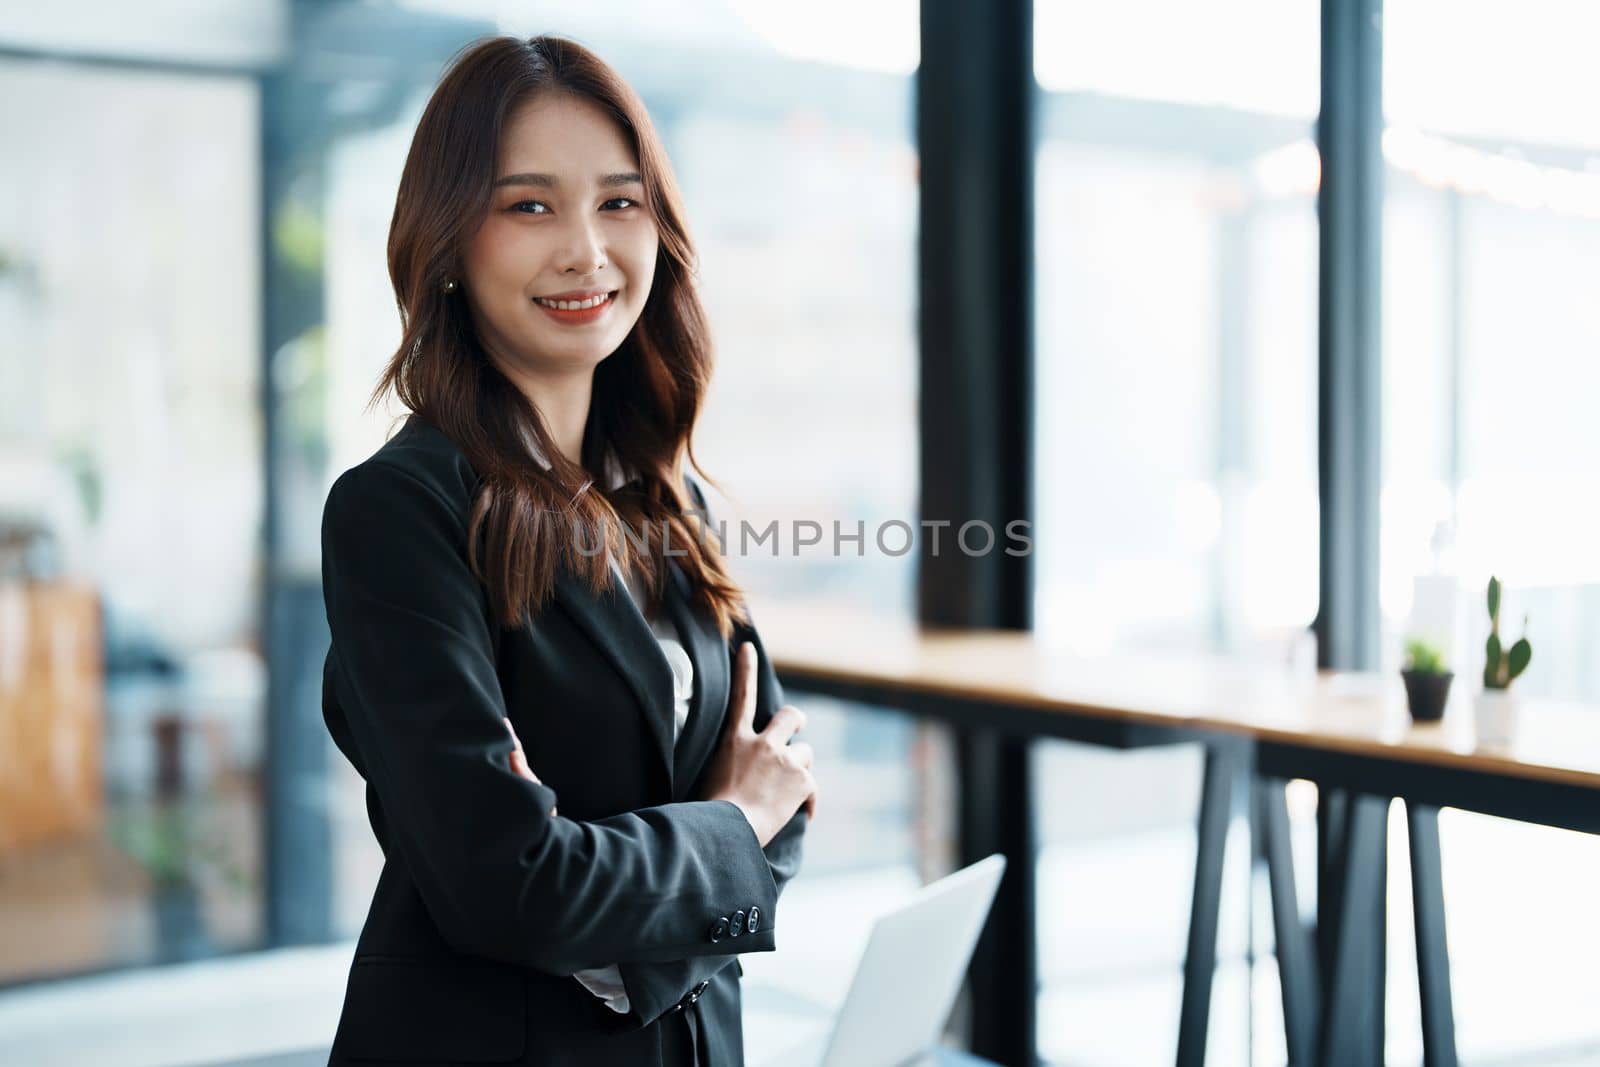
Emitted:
<point x="1363" y="714"/>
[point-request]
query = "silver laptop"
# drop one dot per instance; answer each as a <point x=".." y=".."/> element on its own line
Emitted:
<point x="909" y="975"/>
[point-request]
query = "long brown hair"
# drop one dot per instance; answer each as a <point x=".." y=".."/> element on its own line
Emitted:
<point x="527" y="520"/>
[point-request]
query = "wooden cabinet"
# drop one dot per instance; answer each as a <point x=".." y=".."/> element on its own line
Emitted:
<point x="52" y="692"/>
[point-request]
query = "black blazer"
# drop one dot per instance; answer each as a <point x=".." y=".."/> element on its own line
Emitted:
<point x="486" y="904"/>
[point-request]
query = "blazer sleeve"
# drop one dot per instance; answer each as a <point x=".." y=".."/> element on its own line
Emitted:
<point x="654" y="988"/>
<point x="500" y="875"/>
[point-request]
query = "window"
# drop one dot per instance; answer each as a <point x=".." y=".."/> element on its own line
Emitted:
<point x="1176" y="478"/>
<point x="133" y="687"/>
<point x="1492" y="230"/>
<point x="1176" y="327"/>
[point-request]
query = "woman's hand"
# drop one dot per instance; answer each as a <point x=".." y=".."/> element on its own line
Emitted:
<point x="764" y="775"/>
<point x="519" y="760"/>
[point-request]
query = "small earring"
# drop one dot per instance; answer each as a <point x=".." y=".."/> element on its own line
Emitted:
<point x="450" y="286"/>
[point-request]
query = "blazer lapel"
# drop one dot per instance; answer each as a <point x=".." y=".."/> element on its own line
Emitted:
<point x="709" y="654"/>
<point x="615" y="625"/>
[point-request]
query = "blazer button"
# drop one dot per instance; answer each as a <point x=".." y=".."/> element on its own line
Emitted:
<point x="736" y="924"/>
<point x="691" y="997"/>
<point x="718" y="928"/>
<point x="752" y="923"/>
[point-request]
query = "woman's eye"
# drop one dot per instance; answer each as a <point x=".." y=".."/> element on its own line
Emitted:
<point x="538" y="207"/>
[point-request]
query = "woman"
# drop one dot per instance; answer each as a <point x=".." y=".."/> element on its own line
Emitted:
<point x="524" y="605"/>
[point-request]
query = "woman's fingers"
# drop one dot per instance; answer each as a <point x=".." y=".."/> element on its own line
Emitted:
<point x="800" y="754"/>
<point x="519" y="759"/>
<point x="811" y="798"/>
<point x="519" y="766"/>
<point x="742" y="699"/>
<point x="786" y="722"/>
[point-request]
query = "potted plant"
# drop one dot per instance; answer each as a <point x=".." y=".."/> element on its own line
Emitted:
<point x="1427" y="681"/>
<point x="1497" y="706"/>
<point x="170" y="841"/>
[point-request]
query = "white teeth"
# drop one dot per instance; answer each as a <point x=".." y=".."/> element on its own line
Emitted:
<point x="573" y="305"/>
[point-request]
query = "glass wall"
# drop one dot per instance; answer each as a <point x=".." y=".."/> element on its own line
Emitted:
<point x="131" y="670"/>
<point x="1493" y="225"/>
<point x="1491" y="463"/>
<point x="1176" y="478"/>
<point x="1176" y="332"/>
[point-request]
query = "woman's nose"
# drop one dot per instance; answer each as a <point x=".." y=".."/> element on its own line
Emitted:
<point x="584" y="251"/>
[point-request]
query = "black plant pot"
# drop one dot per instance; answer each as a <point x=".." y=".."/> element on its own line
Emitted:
<point x="180" y="922"/>
<point x="1426" y="694"/>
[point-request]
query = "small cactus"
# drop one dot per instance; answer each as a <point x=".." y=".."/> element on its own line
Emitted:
<point x="1501" y="668"/>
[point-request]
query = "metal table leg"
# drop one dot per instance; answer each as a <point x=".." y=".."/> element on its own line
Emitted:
<point x="1433" y="955"/>
<point x="1219" y="797"/>
<point x="1353" y="1012"/>
<point x="1297" y="965"/>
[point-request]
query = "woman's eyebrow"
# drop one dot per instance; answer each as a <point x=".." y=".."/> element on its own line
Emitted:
<point x="549" y="181"/>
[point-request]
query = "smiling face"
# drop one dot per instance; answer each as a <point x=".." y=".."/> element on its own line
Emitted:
<point x="560" y="268"/>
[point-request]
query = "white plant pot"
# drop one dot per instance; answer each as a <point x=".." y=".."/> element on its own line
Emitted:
<point x="1496" y="712"/>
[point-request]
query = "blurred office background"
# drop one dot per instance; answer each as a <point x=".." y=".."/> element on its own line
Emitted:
<point x="194" y="307"/>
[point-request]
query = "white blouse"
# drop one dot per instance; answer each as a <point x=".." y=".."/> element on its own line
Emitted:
<point x="606" y="982"/>
<point x="667" y="636"/>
